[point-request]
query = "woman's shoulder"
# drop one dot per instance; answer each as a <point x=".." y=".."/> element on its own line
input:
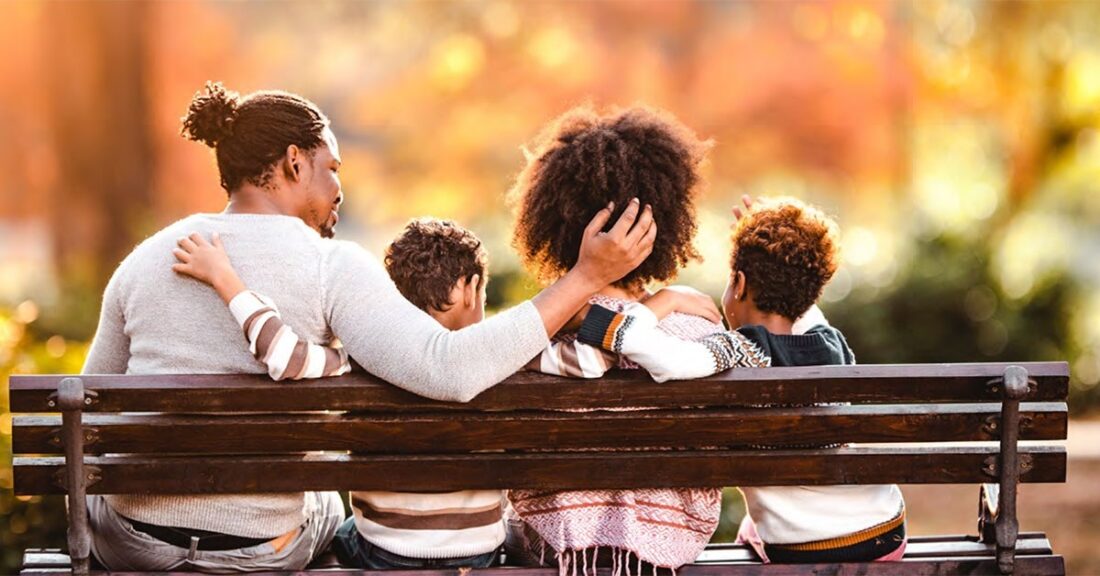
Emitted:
<point x="688" y="326"/>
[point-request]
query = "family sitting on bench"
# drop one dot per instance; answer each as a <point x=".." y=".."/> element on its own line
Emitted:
<point x="419" y="325"/>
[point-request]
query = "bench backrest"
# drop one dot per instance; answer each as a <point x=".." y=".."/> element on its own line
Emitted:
<point x="179" y="434"/>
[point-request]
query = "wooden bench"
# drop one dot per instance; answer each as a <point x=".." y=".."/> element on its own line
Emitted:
<point x="944" y="423"/>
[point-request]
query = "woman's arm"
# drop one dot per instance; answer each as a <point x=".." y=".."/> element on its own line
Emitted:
<point x="276" y="345"/>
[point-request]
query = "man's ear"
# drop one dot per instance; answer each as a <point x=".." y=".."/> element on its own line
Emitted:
<point x="469" y="291"/>
<point x="292" y="165"/>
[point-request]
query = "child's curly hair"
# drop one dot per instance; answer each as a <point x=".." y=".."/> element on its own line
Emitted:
<point x="428" y="258"/>
<point x="583" y="161"/>
<point x="788" y="251"/>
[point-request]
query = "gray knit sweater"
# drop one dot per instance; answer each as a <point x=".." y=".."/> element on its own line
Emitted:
<point x="154" y="321"/>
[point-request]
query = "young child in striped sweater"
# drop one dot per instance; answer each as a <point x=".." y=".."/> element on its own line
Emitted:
<point x="442" y="269"/>
<point x="783" y="255"/>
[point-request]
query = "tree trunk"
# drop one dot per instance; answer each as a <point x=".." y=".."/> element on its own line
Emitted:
<point x="96" y="73"/>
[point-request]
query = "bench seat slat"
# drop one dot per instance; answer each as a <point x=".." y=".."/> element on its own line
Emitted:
<point x="735" y="560"/>
<point x="887" y="383"/>
<point x="544" y="470"/>
<point x="454" y="433"/>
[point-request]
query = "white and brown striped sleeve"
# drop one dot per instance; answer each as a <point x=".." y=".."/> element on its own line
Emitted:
<point x="574" y="359"/>
<point x="286" y="355"/>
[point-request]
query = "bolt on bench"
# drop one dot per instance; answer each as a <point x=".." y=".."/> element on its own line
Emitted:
<point x="904" y="424"/>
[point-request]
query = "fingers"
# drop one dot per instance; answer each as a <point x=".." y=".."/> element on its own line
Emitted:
<point x="738" y="213"/>
<point x="641" y="227"/>
<point x="626" y="221"/>
<point x="599" y="221"/>
<point x="181" y="268"/>
<point x="645" y="246"/>
<point x="195" y="241"/>
<point x="710" y="311"/>
<point x="216" y="239"/>
<point x="198" y="240"/>
<point x="181" y="255"/>
<point x="187" y="244"/>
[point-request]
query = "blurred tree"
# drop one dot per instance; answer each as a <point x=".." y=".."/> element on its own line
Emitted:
<point x="106" y="160"/>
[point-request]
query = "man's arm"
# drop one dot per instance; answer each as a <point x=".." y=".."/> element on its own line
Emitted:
<point x="634" y="333"/>
<point x="401" y="344"/>
<point x="110" y="350"/>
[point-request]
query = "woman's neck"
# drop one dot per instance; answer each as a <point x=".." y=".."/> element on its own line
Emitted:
<point x="633" y="295"/>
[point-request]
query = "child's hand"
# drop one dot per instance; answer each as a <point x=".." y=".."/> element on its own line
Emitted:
<point x="738" y="213"/>
<point x="684" y="300"/>
<point x="208" y="262"/>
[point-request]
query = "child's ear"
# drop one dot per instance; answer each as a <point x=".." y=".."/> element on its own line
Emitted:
<point x="740" y="285"/>
<point x="469" y="291"/>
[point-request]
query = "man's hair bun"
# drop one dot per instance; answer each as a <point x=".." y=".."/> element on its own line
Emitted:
<point x="211" y="115"/>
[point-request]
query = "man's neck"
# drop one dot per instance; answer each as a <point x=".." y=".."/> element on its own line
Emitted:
<point x="252" y="199"/>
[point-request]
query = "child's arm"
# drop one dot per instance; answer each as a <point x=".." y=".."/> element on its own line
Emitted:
<point x="573" y="359"/>
<point x="286" y="355"/>
<point x="580" y="360"/>
<point x="634" y="333"/>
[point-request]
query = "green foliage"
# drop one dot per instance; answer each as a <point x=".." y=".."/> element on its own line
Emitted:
<point x="733" y="510"/>
<point x="946" y="307"/>
<point x="30" y="521"/>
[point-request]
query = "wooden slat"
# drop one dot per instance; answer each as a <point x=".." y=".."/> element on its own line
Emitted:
<point x="943" y="546"/>
<point x="548" y="470"/>
<point x="866" y="383"/>
<point x="952" y="552"/>
<point x="465" y="432"/>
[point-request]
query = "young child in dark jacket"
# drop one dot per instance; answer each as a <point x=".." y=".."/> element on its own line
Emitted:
<point x="783" y="254"/>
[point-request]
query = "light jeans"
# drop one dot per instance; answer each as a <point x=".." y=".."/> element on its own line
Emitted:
<point x="118" y="546"/>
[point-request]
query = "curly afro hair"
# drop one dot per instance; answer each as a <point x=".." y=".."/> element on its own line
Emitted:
<point x="250" y="133"/>
<point x="583" y="161"/>
<point x="429" y="257"/>
<point x="788" y="252"/>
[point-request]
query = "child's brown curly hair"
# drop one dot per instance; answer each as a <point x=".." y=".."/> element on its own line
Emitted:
<point x="788" y="251"/>
<point x="583" y="161"/>
<point x="429" y="257"/>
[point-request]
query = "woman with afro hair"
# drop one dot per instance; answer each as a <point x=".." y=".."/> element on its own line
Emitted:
<point x="582" y="162"/>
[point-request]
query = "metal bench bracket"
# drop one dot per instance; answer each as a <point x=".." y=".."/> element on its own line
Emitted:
<point x="1007" y="468"/>
<point x="72" y="399"/>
